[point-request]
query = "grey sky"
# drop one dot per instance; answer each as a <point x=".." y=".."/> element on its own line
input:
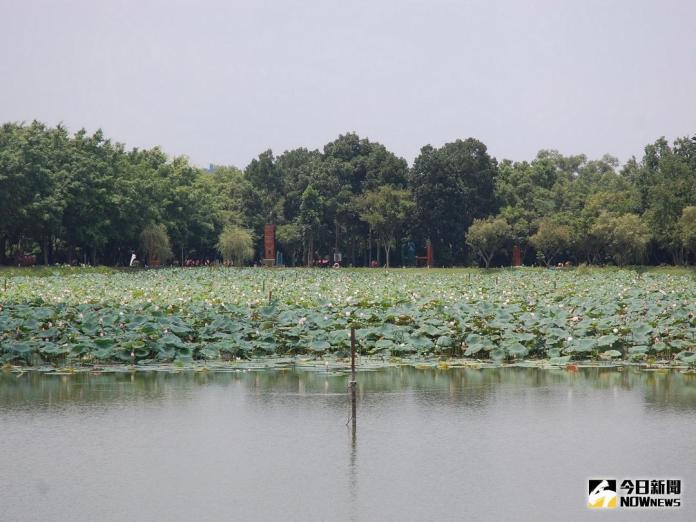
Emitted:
<point x="221" y="81"/>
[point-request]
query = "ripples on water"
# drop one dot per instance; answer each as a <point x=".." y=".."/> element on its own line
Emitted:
<point x="460" y="444"/>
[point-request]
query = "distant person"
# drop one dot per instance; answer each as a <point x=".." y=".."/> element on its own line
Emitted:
<point x="133" y="258"/>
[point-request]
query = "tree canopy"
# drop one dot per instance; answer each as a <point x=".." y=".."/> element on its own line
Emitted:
<point x="81" y="198"/>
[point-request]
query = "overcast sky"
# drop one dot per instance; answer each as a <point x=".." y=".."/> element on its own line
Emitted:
<point x="222" y="80"/>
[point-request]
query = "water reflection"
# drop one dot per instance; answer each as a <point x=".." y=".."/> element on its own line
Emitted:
<point x="270" y="445"/>
<point x="475" y="387"/>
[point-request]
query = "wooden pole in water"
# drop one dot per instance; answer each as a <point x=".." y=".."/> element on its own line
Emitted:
<point x="352" y="354"/>
<point x="352" y="384"/>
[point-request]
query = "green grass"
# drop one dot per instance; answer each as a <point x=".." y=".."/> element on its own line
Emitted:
<point x="66" y="270"/>
<point x="50" y="271"/>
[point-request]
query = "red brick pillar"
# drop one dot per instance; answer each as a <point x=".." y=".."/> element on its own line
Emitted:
<point x="269" y="243"/>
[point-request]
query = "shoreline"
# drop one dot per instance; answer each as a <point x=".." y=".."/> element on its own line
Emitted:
<point x="342" y="367"/>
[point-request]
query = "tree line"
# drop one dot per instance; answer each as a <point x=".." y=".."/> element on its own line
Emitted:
<point x="81" y="198"/>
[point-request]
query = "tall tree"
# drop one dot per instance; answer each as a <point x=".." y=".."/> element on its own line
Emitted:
<point x="386" y="209"/>
<point x="687" y="229"/>
<point x="452" y="186"/>
<point x="486" y="237"/>
<point x="624" y="238"/>
<point x="552" y="239"/>
<point x="666" y="180"/>
<point x="310" y="219"/>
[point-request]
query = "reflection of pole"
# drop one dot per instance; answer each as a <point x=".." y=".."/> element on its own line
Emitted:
<point x="353" y="417"/>
<point x="352" y="385"/>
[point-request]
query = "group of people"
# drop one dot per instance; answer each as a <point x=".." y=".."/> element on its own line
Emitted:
<point x="199" y="262"/>
<point x="135" y="262"/>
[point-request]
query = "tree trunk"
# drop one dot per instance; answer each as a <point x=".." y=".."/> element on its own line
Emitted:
<point x="352" y="251"/>
<point x="310" y="249"/>
<point x="387" y="248"/>
<point x="44" y="250"/>
<point x="3" y="246"/>
<point x="52" y="250"/>
<point x="336" y="236"/>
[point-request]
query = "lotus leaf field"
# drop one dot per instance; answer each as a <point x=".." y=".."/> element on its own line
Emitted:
<point x="217" y="314"/>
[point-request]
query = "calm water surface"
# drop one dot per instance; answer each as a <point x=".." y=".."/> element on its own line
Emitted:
<point x="461" y="444"/>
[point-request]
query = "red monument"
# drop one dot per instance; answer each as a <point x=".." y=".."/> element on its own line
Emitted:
<point x="269" y="245"/>
<point x="516" y="256"/>
<point x="428" y="259"/>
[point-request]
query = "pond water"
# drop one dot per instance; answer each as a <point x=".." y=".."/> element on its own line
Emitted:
<point x="457" y="444"/>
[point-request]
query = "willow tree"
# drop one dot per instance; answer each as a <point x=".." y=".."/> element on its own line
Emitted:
<point x="154" y="242"/>
<point x="236" y="245"/>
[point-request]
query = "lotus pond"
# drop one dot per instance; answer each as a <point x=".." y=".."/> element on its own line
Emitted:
<point x="195" y="316"/>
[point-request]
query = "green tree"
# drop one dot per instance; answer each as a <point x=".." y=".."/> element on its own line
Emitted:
<point x="488" y="236"/>
<point x="687" y="229"/>
<point x="154" y="242"/>
<point x="666" y="181"/>
<point x="452" y="186"/>
<point x="552" y="239"/>
<point x="311" y="209"/>
<point x="290" y="238"/>
<point x="522" y="225"/>
<point x="623" y="237"/>
<point x="386" y="209"/>
<point x="264" y="195"/>
<point x="236" y="245"/>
